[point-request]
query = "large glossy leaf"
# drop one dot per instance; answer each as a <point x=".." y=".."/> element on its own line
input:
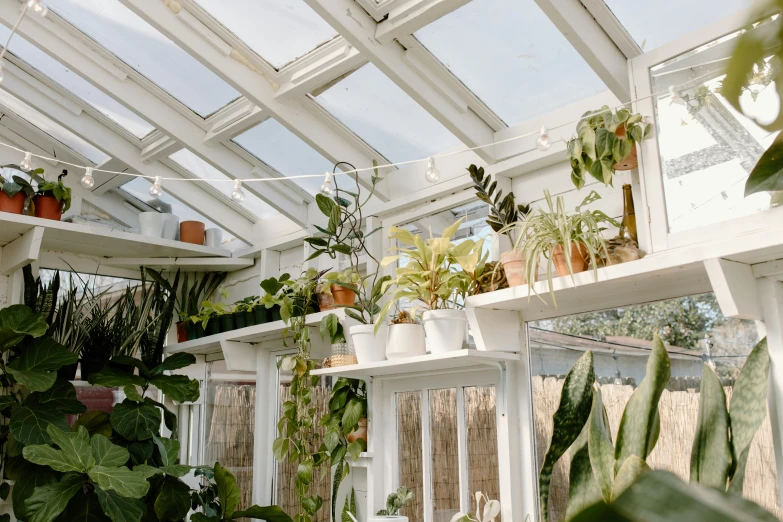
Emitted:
<point x="119" y="508"/>
<point x="711" y="452"/>
<point x="228" y="490"/>
<point x="169" y="454"/>
<point x="177" y="387"/>
<point x="96" y="422"/>
<point x="600" y="446"/>
<point x="131" y="361"/>
<point x="767" y="175"/>
<point x="75" y="447"/>
<point x="351" y="414"/>
<point x="115" y="378"/>
<point x="18" y="321"/>
<point x="36" y="365"/>
<point x="169" y="418"/>
<point x="201" y="517"/>
<point x="125" y="482"/>
<point x="134" y="421"/>
<point x="748" y="407"/>
<point x="62" y="395"/>
<point x="29" y="423"/>
<point x="173" y="501"/>
<point x="48" y="501"/>
<point x="267" y="513"/>
<point x="630" y="471"/>
<point x="583" y="489"/>
<point x="640" y="423"/>
<point x="569" y="419"/>
<point x="174" y="362"/>
<point x="30" y="476"/>
<point x="84" y="508"/>
<point x="107" y="454"/>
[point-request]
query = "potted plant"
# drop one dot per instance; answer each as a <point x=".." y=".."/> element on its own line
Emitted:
<point x="406" y="337"/>
<point x="503" y="213"/>
<point x="244" y="315"/>
<point x="15" y="194"/>
<point x="192" y="232"/>
<point x="567" y="241"/>
<point x="394" y="503"/>
<point x="488" y="514"/>
<point x="342" y="286"/>
<point x="52" y="198"/>
<point x="332" y="329"/>
<point x="605" y="142"/>
<point x="277" y="293"/>
<point x="189" y="299"/>
<point x="211" y="316"/>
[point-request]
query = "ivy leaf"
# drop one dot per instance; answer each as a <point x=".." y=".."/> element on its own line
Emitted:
<point x="355" y="448"/>
<point x="125" y="482"/>
<point x="47" y="502"/>
<point x="36" y="366"/>
<point x="331" y="438"/>
<point x="61" y="396"/>
<point x="134" y="421"/>
<point x="177" y="387"/>
<point x="173" y="502"/>
<point x="228" y="490"/>
<point x="29" y="423"/>
<point x="18" y="321"/>
<point x="121" y="509"/>
<point x="174" y="362"/>
<point x="107" y="454"/>
<point x="114" y="378"/>
<point x="304" y="472"/>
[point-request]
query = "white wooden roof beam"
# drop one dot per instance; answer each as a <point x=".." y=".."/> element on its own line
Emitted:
<point x="616" y="31"/>
<point x="232" y="120"/>
<point x="318" y="68"/>
<point x="359" y="28"/>
<point x="157" y="145"/>
<point x="257" y="84"/>
<point x="592" y="42"/>
<point x="412" y="16"/>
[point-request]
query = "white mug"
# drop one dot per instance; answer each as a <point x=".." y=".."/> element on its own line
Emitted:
<point x="214" y="238"/>
<point x="151" y="223"/>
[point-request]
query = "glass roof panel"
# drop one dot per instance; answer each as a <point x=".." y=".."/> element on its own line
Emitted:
<point x="285" y="152"/>
<point x="283" y="29"/>
<point x="378" y="111"/>
<point x="144" y="48"/>
<point x="512" y="57"/>
<point x="653" y="24"/>
<point x="201" y="169"/>
<point x="53" y="129"/>
<point x="75" y="84"/>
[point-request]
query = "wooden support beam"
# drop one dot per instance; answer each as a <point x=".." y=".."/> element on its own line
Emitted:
<point x="494" y="330"/>
<point x="735" y="288"/>
<point x="239" y="356"/>
<point x="21" y="251"/>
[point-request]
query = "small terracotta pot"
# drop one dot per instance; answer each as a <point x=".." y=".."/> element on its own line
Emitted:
<point x="632" y="161"/>
<point x="182" y="334"/>
<point x="325" y="302"/>
<point x="48" y="207"/>
<point x="578" y="259"/>
<point x="13" y="205"/>
<point x="360" y="433"/>
<point x="191" y="232"/>
<point x="343" y="296"/>
<point x="514" y="266"/>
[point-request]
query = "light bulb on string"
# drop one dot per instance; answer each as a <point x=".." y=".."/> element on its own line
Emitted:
<point x="155" y="189"/>
<point x="543" y="143"/>
<point x="433" y="174"/>
<point x="88" y="181"/>
<point x="238" y="195"/>
<point x="38" y="7"/>
<point x="326" y="188"/>
<point x="27" y="162"/>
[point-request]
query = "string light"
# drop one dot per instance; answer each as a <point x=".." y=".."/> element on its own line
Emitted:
<point x="326" y="188"/>
<point x="433" y="174"/>
<point x="238" y="195"/>
<point x="543" y="143"/>
<point x="37" y="7"/>
<point x="27" y="162"/>
<point x="155" y="189"/>
<point x="88" y="181"/>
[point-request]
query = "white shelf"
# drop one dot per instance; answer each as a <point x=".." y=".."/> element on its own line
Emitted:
<point x="422" y="363"/>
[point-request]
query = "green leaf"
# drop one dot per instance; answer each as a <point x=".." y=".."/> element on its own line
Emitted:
<point x="325" y="204"/>
<point x="5" y="490"/>
<point x="174" y="362"/>
<point x="169" y="454"/>
<point x="201" y="517"/>
<point x="115" y="378"/>
<point x="74" y="453"/>
<point x="47" y="502"/>
<point x="107" y="454"/>
<point x="173" y="502"/>
<point x="18" y="321"/>
<point x="630" y="471"/>
<point x="640" y="424"/>
<point x="351" y="415"/>
<point x="304" y="472"/>
<point x="228" y="490"/>
<point x="334" y="220"/>
<point x="600" y="447"/>
<point x="134" y="421"/>
<point x="603" y="143"/>
<point x="267" y="513"/>
<point x="583" y="489"/>
<point x="30" y="476"/>
<point x="126" y="360"/>
<point x="126" y="483"/>
<point x="349" y="507"/>
<point x="331" y="438"/>
<point x="147" y="471"/>
<point x="36" y="366"/>
<point x="84" y="508"/>
<point x="169" y="418"/>
<point x="95" y="422"/>
<point x="132" y="393"/>
<point x="587" y="141"/>
<point x="711" y="452"/>
<point x="177" y="387"/>
<point x="767" y="175"/>
<point x="29" y="423"/>
<point x="119" y="508"/>
<point x="576" y="401"/>
<point x="61" y="396"/>
<point x="355" y="448"/>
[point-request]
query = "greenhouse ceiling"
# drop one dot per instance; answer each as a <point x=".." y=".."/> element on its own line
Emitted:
<point x="226" y="89"/>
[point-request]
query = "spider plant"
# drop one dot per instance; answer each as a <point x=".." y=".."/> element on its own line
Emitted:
<point x="546" y="228"/>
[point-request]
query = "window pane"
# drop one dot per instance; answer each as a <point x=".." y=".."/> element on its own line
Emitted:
<point x="379" y="112"/>
<point x="282" y="30"/>
<point x="653" y="24"/>
<point x="75" y="84"/>
<point x="482" y="440"/>
<point x="445" y="454"/>
<point x="285" y="152"/>
<point x="707" y="148"/>
<point x="409" y="452"/>
<point x="201" y="169"/>
<point x="53" y="129"/>
<point x="512" y="57"/>
<point x="694" y="331"/>
<point x="144" y="48"/>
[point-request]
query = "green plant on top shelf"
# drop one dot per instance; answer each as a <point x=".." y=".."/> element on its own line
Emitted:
<point x="18" y="184"/>
<point x="502" y="212"/>
<point x="210" y="310"/>
<point x="57" y="189"/>
<point x="332" y="329"/>
<point x="192" y="295"/>
<point x="277" y="291"/>
<point x="347" y="278"/>
<point x="396" y="501"/>
<point x="490" y="512"/>
<point x="247" y="304"/>
<point x="604" y="139"/>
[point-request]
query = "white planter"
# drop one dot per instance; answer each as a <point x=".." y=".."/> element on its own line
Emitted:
<point x="387" y="519"/>
<point x="369" y="348"/>
<point x="151" y="223"/>
<point x="445" y="329"/>
<point x="405" y="340"/>
<point x="170" y="226"/>
<point x="213" y="238"/>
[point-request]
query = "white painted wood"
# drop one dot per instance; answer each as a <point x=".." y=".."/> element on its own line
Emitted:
<point x="616" y="31"/>
<point x="239" y="356"/>
<point x="412" y="16"/>
<point x="735" y="288"/>
<point x="234" y="124"/>
<point x="190" y="264"/>
<point x="161" y="147"/>
<point x="465" y="495"/>
<point x="266" y="407"/>
<point x="494" y="330"/>
<point x="517" y="441"/>
<point x="773" y="269"/>
<point x="21" y="251"/>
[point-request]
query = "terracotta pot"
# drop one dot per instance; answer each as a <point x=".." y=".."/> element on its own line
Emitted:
<point x="343" y="296"/>
<point x="632" y="161"/>
<point x="325" y="302"/>
<point x="48" y="207"/>
<point x="191" y="232"/>
<point x="360" y="433"/>
<point x="514" y="266"/>
<point x="182" y="334"/>
<point x="578" y="259"/>
<point x="13" y="205"/>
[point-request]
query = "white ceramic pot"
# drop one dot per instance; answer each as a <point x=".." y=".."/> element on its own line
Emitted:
<point x="151" y="223"/>
<point x="445" y="329"/>
<point x="387" y="519"/>
<point x="405" y="340"/>
<point x="213" y="237"/>
<point x="369" y="348"/>
<point x="170" y="226"/>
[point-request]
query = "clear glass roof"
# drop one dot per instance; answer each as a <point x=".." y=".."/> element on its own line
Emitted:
<point x="201" y="169"/>
<point x="282" y="30"/>
<point x="512" y="57"/>
<point x="378" y="111"/>
<point x="285" y="152"/>
<point x="145" y="49"/>
<point x="653" y="24"/>
<point x="75" y="84"/>
<point x="53" y="129"/>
